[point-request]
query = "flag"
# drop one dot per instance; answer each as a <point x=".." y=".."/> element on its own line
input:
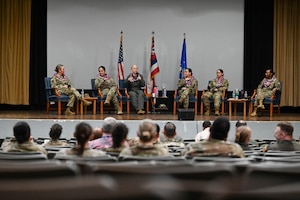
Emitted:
<point x="183" y="64"/>
<point x="154" y="68"/>
<point x="120" y="60"/>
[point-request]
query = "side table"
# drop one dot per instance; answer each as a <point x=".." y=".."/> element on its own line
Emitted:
<point x="94" y="102"/>
<point x="236" y="101"/>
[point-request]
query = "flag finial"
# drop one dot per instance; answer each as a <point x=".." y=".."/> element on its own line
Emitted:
<point x="184" y="35"/>
<point x="153" y="32"/>
<point x="121" y="32"/>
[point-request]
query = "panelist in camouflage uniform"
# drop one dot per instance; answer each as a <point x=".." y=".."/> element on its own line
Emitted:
<point x="267" y="87"/>
<point x="108" y="88"/>
<point x="216" y="145"/>
<point x="215" y="90"/>
<point x="187" y="87"/>
<point x="64" y="86"/>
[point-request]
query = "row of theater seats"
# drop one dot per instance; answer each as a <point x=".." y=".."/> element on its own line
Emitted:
<point x="151" y="178"/>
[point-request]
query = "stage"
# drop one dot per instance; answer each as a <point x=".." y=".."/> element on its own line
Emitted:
<point x="262" y="127"/>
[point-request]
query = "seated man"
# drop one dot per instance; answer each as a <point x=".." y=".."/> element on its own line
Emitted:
<point x="169" y="133"/>
<point x="23" y="141"/>
<point x="284" y="136"/>
<point x="267" y="87"/>
<point x="216" y="145"/>
<point x="187" y="86"/>
<point x="215" y="90"/>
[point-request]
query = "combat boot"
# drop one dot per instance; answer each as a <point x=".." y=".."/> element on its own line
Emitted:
<point x="217" y="112"/>
<point x="69" y="112"/>
<point x="107" y="101"/>
<point x="85" y="102"/>
<point x="253" y="114"/>
<point x="119" y="112"/>
<point x="207" y="112"/>
<point x="261" y="105"/>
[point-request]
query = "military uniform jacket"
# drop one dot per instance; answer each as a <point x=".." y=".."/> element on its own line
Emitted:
<point x="285" y="145"/>
<point x="99" y="82"/>
<point x="14" y="146"/>
<point x="59" y="83"/>
<point x="193" y="87"/>
<point x="213" y="85"/>
<point x="149" y="150"/>
<point x="273" y="83"/>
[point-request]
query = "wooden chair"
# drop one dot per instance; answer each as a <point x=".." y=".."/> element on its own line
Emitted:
<point x="273" y="101"/>
<point x="192" y="99"/>
<point x="96" y="92"/>
<point x="52" y="96"/>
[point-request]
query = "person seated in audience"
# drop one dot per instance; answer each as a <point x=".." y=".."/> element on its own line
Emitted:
<point x="240" y="123"/>
<point x="97" y="133"/>
<point x="106" y="140"/>
<point x="204" y="134"/>
<point x="83" y="131"/>
<point x="147" y="134"/>
<point x="22" y="141"/>
<point x="216" y="145"/>
<point x="55" y="133"/>
<point x="284" y="136"/>
<point x="119" y="137"/>
<point x="156" y="140"/>
<point x="242" y="137"/>
<point x="177" y="138"/>
<point x="169" y="132"/>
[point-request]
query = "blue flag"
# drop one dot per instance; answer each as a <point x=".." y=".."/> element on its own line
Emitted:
<point x="183" y="63"/>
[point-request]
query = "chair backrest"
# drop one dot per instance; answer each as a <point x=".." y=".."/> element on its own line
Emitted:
<point x="94" y="89"/>
<point x="278" y="93"/>
<point x="24" y="156"/>
<point x="48" y="89"/>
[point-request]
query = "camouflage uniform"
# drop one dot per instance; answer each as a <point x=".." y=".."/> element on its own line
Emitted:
<point x="13" y="146"/>
<point x="149" y="150"/>
<point x="213" y="147"/>
<point x="216" y="95"/>
<point x="71" y="92"/>
<point x="86" y="153"/>
<point x="108" y="89"/>
<point x="56" y="143"/>
<point x="186" y="90"/>
<point x="284" y="145"/>
<point x="266" y="91"/>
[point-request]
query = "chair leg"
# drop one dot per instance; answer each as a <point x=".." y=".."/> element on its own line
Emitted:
<point x="101" y="107"/>
<point x="223" y="108"/>
<point x="48" y="107"/>
<point x="278" y="110"/>
<point x="128" y="107"/>
<point x="196" y="108"/>
<point x="174" y="107"/>
<point x="201" y="108"/>
<point x="59" y="107"/>
<point x="250" y="108"/>
<point x="271" y="110"/>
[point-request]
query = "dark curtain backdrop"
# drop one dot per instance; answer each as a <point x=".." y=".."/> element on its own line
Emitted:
<point x="258" y="46"/>
<point x="258" y="41"/>
<point x="38" y="54"/>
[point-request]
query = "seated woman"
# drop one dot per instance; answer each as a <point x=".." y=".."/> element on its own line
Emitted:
<point x="145" y="147"/>
<point x="119" y="137"/>
<point x="55" y="133"/>
<point x="242" y="137"/>
<point x="83" y="132"/>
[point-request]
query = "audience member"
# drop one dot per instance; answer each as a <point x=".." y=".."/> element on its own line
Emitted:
<point x="97" y="133"/>
<point x="204" y="134"/>
<point x="240" y="123"/>
<point x="119" y="137"/>
<point x="169" y="132"/>
<point x="83" y="131"/>
<point x="242" y="137"/>
<point x="22" y="141"/>
<point x="216" y="145"/>
<point x="146" y="133"/>
<point x="106" y="140"/>
<point x="156" y="139"/>
<point x="55" y="133"/>
<point x="284" y="136"/>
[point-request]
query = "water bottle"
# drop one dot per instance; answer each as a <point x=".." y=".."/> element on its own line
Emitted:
<point x="164" y="92"/>
<point x="236" y="93"/>
<point x="82" y="93"/>
<point x="246" y="94"/>
<point x="233" y="94"/>
<point x="156" y="91"/>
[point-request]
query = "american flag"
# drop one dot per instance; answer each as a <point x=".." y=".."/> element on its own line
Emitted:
<point x="120" y="61"/>
<point x="154" y="68"/>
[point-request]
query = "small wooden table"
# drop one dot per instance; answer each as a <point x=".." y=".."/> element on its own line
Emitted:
<point x="93" y="100"/>
<point x="235" y="101"/>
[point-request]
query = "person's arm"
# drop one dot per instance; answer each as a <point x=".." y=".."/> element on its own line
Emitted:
<point x="260" y="86"/>
<point x="98" y="82"/>
<point x="142" y="81"/>
<point x="224" y="85"/>
<point x="194" y="87"/>
<point x="181" y="83"/>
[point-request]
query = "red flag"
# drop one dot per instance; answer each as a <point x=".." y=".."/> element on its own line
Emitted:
<point x="154" y="68"/>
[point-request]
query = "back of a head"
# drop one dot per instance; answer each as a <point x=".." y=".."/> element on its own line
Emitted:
<point x="240" y="123"/>
<point x="83" y="132"/>
<point x="55" y="131"/>
<point x="119" y="134"/>
<point x="220" y="128"/>
<point x="287" y="128"/>
<point x="206" y="124"/>
<point x="170" y="130"/>
<point x="242" y="135"/>
<point x="147" y="130"/>
<point x="108" y="123"/>
<point x="21" y="132"/>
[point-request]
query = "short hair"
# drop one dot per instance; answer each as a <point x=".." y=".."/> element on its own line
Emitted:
<point x="170" y="129"/>
<point x="220" y="128"/>
<point x="21" y="131"/>
<point x="58" y="67"/>
<point x="147" y="130"/>
<point x="286" y="127"/>
<point x="55" y="131"/>
<point x="108" y="123"/>
<point x="119" y="134"/>
<point x="242" y="134"/>
<point x="240" y="123"/>
<point x="206" y="124"/>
